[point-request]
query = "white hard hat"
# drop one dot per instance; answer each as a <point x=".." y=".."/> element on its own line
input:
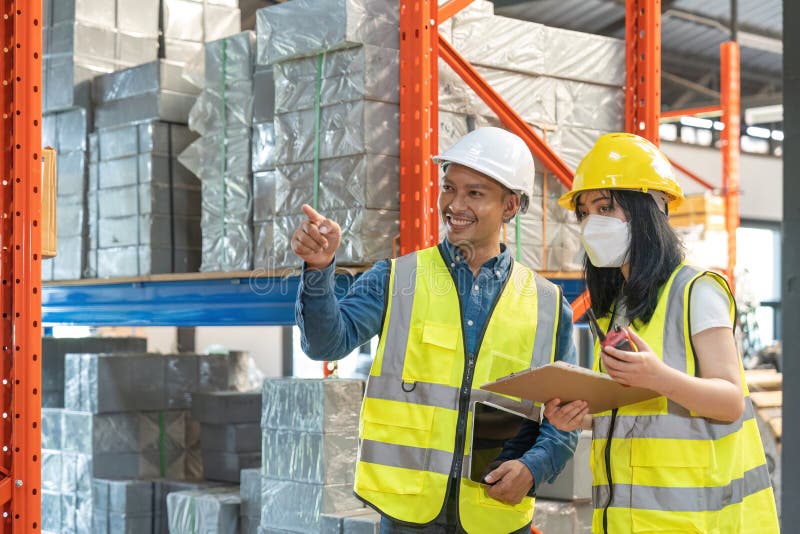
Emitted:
<point x="497" y="153"/>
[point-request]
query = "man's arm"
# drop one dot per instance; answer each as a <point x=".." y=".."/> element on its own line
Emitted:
<point x="553" y="447"/>
<point x="329" y="329"/>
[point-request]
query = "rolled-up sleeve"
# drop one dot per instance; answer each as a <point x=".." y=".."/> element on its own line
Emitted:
<point x="330" y="329"/>
<point x="553" y="447"/>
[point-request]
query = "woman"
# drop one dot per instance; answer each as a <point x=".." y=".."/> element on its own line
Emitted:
<point x="690" y="460"/>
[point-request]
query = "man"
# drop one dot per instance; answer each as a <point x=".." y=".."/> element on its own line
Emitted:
<point x="450" y="318"/>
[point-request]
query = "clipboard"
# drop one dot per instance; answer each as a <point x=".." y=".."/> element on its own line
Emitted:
<point x="569" y="383"/>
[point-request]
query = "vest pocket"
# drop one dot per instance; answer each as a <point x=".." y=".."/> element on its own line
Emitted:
<point x="668" y="485"/>
<point x="433" y="359"/>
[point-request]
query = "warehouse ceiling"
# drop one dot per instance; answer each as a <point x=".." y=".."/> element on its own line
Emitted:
<point x="692" y="31"/>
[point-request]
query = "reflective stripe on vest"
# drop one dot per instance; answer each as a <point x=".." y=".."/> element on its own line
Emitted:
<point x="665" y="461"/>
<point x="408" y="420"/>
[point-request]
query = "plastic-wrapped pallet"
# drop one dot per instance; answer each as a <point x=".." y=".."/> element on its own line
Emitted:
<point x="263" y="144"/>
<point x="108" y="383"/>
<point x="362" y="521"/>
<point x="90" y="37"/>
<point x="310" y="430"/>
<point x="54" y="351"/>
<point x="230" y="432"/>
<point x="336" y="131"/>
<point x="211" y="511"/>
<point x="250" y="494"/>
<point x="122" y="506"/>
<point x="187" y="24"/>
<point x="308" y="27"/>
<point x="144" y="206"/>
<point x="67" y="131"/>
<point x="223" y="115"/>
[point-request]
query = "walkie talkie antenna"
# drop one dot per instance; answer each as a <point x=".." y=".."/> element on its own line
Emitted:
<point x="593" y="324"/>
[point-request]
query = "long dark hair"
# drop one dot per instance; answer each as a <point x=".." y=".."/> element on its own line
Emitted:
<point x="655" y="253"/>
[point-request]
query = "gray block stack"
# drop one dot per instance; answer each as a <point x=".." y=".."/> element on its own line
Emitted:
<point x="576" y="80"/>
<point x="109" y="383"/>
<point x="144" y="206"/>
<point x="54" y="351"/>
<point x="250" y="494"/>
<point x="122" y="506"/>
<point x="211" y="511"/>
<point x="187" y="24"/>
<point x="230" y="435"/>
<point x="363" y="521"/>
<point x="336" y="125"/>
<point x="310" y="434"/>
<point x="67" y="131"/>
<point x="223" y="116"/>
<point x="85" y="38"/>
<point x="79" y="446"/>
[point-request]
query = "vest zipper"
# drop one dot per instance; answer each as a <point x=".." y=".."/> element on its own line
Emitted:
<point x="608" y="469"/>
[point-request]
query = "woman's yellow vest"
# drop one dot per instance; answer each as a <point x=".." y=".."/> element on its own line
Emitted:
<point x="658" y="467"/>
<point x="416" y="417"/>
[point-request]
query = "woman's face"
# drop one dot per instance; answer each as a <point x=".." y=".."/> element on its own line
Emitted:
<point x="598" y="202"/>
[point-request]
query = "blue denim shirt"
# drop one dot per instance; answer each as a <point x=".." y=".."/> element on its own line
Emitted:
<point x="339" y="327"/>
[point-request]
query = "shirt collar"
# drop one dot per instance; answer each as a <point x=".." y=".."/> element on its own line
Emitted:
<point x="500" y="264"/>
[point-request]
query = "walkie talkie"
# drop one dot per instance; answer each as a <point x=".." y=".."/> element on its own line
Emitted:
<point x="617" y="336"/>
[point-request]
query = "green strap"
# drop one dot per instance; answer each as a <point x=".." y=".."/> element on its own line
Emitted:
<point x="224" y="151"/>
<point x="192" y="513"/>
<point x="317" y="120"/>
<point x="162" y="444"/>
<point x="518" y="240"/>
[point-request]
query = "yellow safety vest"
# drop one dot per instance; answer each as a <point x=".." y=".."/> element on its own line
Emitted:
<point x="657" y="467"/>
<point x="416" y="416"/>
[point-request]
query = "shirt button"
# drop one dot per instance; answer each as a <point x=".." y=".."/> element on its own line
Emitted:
<point x="453" y="264"/>
<point x="476" y="288"/>
<point x="470" y="323"/>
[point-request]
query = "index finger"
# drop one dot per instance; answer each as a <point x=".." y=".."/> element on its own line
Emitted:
<point x="313" y="215"/>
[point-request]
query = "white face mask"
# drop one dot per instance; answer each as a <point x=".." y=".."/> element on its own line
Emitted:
<point x="606" y="240"/>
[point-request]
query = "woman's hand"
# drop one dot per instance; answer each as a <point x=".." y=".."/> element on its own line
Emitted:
<point x="642" y="369"/>
<point x="569" y="417"/>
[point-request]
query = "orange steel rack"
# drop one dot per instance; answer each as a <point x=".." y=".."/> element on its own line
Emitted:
<point x="20" y="266"/>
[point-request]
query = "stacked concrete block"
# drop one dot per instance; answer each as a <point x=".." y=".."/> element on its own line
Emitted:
<point x="230" y="435"/>
<point x="223" y="116"/>
<point x="187" y="24"/>
<point x="67" y="132"/>
<point x="310" y="433"/>
<point x="110" y="383"/>
<point x="78" y="447"/>
<point x="363" y="521"/>
<point x="122" y="506"/>
<point x="250" y="494"/>
<point x="144" y="206"/>
<point x="336" y="126"/>
<point x="86" y="38"/>
<point x="54" y="351"/>
<point x="567" y="85"/>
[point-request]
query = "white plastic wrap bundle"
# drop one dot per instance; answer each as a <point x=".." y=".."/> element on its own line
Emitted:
<point x="85" y="38"/>
<point x="223" y="116"/>
<point x="310" y="431"/>
<point x="567" y="85"/>
<point x="187" y="24"/>
<point x="210" y="510"/>
<point x="336" y="126"/>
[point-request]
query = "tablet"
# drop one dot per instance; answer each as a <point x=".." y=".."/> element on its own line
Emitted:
<point x="497" y="435"/>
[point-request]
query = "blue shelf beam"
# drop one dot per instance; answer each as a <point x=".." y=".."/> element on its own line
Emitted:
<point x="193" y="302"/>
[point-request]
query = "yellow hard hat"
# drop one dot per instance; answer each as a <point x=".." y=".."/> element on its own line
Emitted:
<point x="624" y="161"/>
